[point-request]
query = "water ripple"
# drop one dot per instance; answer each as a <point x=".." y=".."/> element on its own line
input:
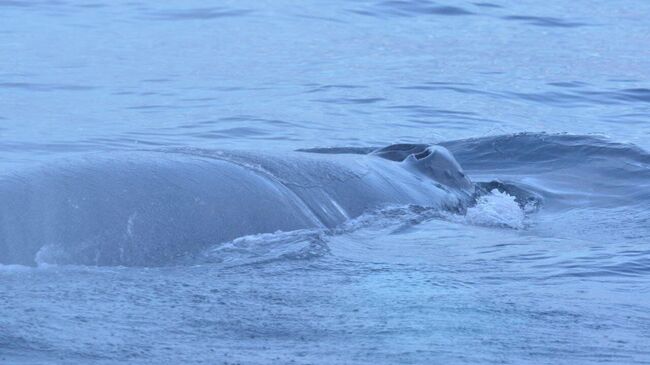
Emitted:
<point x="350" y="100"/>
<point x="543" y="21"/>
<point x="401" y="8"/>
<point x="488" y="5"/>
<point x="321" y="88"/>
<point x="199" y="14"/>
<point x="44" y="87"/>
<point x="572" y="94"/>
<point x="20" y="4"/>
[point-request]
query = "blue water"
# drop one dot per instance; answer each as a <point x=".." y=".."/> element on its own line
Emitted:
<point x="551" y="97"/>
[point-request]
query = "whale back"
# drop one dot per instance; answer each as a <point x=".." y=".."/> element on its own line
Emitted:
<point x="399" y="152"/>
<point x="340" y="186"/>
<point x="149" y="208"/>
<point x="138" y="210"/>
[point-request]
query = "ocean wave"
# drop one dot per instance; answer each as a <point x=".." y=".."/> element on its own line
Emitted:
<point x="568" y="171"/>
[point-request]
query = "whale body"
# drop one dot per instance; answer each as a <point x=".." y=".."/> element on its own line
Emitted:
<point x="148" y="208"/>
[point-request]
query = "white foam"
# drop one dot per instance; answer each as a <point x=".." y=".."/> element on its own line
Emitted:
<point x="496" y="209"/>
<point x="262" y="247"/>
<point x="49" y="255"/>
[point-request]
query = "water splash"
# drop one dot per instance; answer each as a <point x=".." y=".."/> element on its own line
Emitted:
<point x="497" y="209"/>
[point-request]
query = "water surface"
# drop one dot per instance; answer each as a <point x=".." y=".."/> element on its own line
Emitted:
<point x="563" y="283"/>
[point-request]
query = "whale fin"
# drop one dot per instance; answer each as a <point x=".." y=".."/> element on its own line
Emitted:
<point x="437" y="163"/>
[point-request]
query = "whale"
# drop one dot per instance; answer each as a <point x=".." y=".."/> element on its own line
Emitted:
<point x="148" y="208"/>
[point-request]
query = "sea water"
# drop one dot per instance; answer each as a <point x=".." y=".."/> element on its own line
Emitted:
<point x="552" y="97"/>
